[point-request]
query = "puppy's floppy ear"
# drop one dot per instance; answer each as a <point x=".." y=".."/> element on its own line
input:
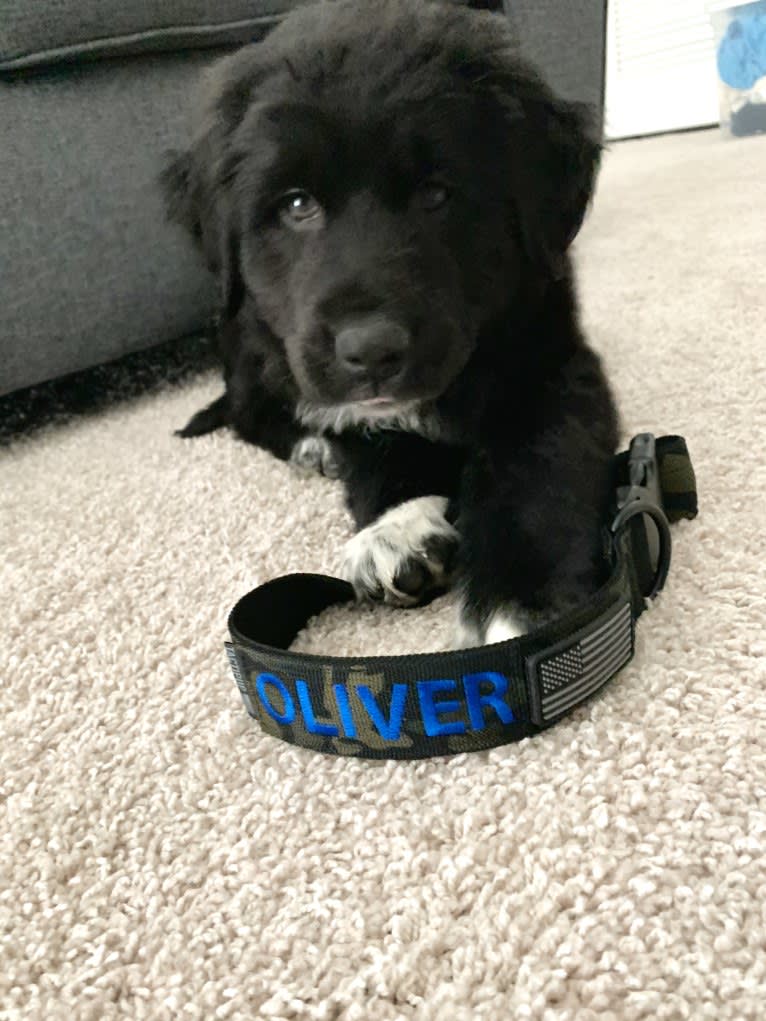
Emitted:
<point x="568" y="161"/>
<point x="554" y="156"/>
<point x="197" y="183"/>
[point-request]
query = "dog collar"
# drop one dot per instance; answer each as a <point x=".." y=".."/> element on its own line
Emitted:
<point x="415" y="706"/>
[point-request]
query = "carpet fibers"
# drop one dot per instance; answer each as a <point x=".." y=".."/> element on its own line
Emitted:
<point x="160" y="858"/>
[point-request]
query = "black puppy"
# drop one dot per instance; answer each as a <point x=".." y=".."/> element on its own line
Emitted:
<point x="387" y="193"/>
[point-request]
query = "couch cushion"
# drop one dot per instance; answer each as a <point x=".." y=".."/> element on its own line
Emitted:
<point x="49" y="31"/>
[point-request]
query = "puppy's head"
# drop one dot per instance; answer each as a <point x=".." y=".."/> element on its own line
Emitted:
<point x="380" y="179"/>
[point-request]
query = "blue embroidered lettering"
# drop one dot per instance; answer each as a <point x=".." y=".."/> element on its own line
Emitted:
<point x="391" y="728"/>
<point x="344" y="708"/>
<point x="288" y="705"/>
<point x="476" y="700"/>
<point x="440" y="714"/>
<point x="431" y="710"/>
<point x="313" y="726"/>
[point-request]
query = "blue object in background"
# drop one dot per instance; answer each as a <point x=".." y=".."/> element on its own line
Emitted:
<point x="742" y="51"/>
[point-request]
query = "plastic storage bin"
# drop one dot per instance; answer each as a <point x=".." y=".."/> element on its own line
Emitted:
<point x="740" y="43"/>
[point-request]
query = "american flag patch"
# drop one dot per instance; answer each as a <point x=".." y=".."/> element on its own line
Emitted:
<point x="573" y="670"/>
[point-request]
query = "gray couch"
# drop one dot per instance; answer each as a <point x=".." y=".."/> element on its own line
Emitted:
<point x="92" y="94"/>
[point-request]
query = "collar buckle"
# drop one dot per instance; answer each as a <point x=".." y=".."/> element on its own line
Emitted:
<point x="643" y="495"/>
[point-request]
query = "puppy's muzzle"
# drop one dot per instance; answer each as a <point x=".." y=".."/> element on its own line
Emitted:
<point x="372" y="348"/>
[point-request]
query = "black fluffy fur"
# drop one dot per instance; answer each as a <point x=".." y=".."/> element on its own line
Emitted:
<point x="361" y="104"/>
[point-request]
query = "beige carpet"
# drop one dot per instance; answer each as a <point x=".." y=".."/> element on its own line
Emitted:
<point x="162" y="859"/>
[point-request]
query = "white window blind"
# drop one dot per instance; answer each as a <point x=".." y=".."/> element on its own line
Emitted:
<point x="661" y="73"/>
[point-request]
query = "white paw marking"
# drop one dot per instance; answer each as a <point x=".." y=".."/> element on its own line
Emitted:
<point x="502" y="626"/>
<point x="414" y="533"/>
<point x="315" y="453"/>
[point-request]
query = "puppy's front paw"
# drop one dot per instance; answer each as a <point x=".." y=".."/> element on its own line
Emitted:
<point x="316" y="454"/>
<point x="405" y="556"/>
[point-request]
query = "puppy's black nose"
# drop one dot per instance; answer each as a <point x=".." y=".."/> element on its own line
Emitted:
<point x="373" y="346"/>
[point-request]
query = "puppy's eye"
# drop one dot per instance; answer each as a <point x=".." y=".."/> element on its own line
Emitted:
<point x="432" y="195"/>
<point x="300" y="211"/>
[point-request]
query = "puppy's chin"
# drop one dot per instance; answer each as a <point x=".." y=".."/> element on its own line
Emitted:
<point x="414" y="416"/>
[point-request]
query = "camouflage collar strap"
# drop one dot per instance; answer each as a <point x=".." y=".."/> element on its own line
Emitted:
<point x="410" y="707"/>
